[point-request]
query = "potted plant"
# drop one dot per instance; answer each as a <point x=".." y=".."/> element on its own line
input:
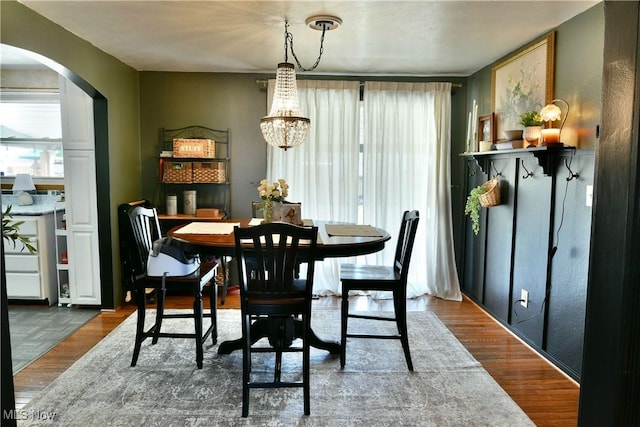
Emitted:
<point x="532" y="123"/>
<point x="472" y="208"/>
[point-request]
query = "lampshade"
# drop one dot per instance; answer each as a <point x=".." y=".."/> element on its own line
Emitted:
<point x="21" y="185"/>
<point x="285" y="126"/>
<point x="23" y="182"/>
<point x="550" y="112"/>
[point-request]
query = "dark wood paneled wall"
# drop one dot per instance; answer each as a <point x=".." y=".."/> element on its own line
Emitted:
<point x="610" y="389"/>
<point x="536" y="240"/>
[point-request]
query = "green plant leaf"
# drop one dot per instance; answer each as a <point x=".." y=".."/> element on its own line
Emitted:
<point x="530" y="118"/>
<point x="11" y="231"/>
<point x="472" y="208"/>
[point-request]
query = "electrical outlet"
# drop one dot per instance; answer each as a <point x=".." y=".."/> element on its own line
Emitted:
<point x="524" y="298"/>
<point x="589" y="195"/>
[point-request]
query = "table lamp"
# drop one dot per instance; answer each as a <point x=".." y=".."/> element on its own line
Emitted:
<point x="551" y="113"/>
<point x="21" y="185"/>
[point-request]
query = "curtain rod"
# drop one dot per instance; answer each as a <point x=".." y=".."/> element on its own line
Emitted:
<point x="263" y="83"/>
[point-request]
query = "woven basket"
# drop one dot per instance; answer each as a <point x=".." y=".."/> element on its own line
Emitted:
<point x="492" y="196"/>
<point x="194" y="148"/>
<point x="212" y="172"/>
<point x="178" y="172"/>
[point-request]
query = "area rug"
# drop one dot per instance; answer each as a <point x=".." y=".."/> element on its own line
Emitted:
<point x="36" y="330"/>
<point x="448" y="387"/>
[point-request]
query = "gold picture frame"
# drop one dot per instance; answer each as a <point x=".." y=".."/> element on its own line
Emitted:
<point x="522" y="82"/>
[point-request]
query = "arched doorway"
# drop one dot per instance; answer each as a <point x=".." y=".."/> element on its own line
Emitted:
<point x="95" y="277"/>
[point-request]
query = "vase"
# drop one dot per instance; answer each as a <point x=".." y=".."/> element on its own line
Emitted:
<point x="532" y="134"/>
<point x="267" y="210"/>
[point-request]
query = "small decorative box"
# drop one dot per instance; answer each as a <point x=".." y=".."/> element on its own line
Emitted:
<point x="194" y="148"/>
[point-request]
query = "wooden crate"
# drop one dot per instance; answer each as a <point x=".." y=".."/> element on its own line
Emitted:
<point x="194" y="148"/>
<point x="211" y="172"/>
<point x="178" y="172"/>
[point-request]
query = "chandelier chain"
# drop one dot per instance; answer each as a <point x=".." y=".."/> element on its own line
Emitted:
<point x="288" y="41"/>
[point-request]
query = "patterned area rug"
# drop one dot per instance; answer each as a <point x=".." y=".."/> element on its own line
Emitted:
<point x="448" y="387"/>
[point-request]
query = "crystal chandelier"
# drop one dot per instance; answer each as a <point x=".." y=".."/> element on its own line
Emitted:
<point x="285" y="127"/>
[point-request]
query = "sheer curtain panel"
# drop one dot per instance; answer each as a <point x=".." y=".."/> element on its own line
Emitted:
<point x="323" y="171"/>
<point x="407" y="166"/>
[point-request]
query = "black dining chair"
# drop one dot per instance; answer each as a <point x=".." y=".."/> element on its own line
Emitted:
<point x="358" y="277"/>
<point x="256" y="210"/>
<point x="145" y="229"/>
<point x="273" y="299"/>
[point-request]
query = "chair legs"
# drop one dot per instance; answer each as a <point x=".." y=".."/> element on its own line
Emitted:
<point x="213" y="304"/>
<point x="306" y="365"/>
<point x="401" y="322"/>
<point x="278" y="350"/>
<point x="246" y="364"/>
<point x="141" y="303"/>
<point x="344" y="316"/>
<point x="154" y="332"/>
<point x="160" y="296"/>
<point x="197" y="321"/>
<point x="400" y="312"/>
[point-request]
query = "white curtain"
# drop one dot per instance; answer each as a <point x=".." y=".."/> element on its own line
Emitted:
<point x="406" y="167"/>
<point x="323" y="172"/>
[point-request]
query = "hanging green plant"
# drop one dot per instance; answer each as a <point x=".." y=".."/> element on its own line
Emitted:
<point x="472" y="208"/>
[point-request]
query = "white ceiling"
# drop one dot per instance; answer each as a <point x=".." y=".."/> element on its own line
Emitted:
<point x="422" y="38"/>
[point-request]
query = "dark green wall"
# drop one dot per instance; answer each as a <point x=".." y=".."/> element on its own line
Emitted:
<point x="579" y="45"/>
<point x="578" y="79"/>
<point x="219" y="101"/>
<point x="235" y="101"/>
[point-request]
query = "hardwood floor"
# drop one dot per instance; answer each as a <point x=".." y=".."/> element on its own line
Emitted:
<point x="547" y="396"/>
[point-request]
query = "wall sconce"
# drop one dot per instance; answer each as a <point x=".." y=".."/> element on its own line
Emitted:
<point x="285" y="126"/>
<point x="21" y="185"/>
<point x="552" y="113"/>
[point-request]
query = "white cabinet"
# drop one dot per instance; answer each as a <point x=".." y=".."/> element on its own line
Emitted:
<point x="81" y="199"/>
<point x="33" y="276"/>
<point x="82" y="226"/>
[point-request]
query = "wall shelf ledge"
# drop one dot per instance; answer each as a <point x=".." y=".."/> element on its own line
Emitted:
<point x="546" y="156"/>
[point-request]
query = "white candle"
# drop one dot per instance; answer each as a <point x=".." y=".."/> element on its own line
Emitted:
<point x="475" y="119"/>
<point x="468" y="140"/>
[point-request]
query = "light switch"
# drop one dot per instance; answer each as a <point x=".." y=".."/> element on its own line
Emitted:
<point x="589" y="195"/>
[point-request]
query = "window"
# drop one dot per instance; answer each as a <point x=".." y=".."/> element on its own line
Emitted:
<point x="30" y="133"/>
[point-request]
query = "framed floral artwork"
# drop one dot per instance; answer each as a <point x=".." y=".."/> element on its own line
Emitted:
<point x="522" y="82"/>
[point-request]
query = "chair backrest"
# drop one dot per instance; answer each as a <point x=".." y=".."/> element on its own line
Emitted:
<point x="404" y="247"/>
<point x="146" y="230"/>
<point x="268" y="256"/>
<point x="256" y="211"/>
<point x="128" y="248"/>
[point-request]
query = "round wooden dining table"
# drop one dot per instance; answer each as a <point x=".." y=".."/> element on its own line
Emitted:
<point x="195" y="238"/>
<point x="329" y="246"/>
